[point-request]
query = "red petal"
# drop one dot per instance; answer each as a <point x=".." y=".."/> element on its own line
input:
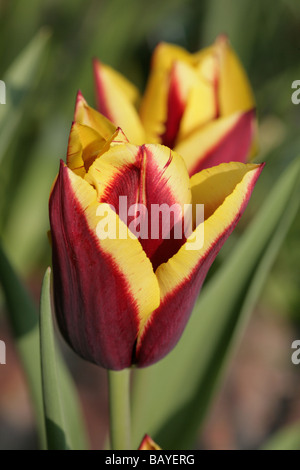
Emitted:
<point x="176" y="106"/>
<point x="181" y="278"/>
<point x="148" y="444"/>
<point x="233" y="147"/>
<point x="95" y="310"/>
<point x="150" y="175"/>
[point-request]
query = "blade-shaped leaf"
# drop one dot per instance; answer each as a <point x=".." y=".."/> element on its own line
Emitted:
<point x="64" y="427"/>
<point x="73" y="417"/>
<point x="54" y="418"/>
<point x="19" y="80"/>
<point x="171" y="398"/>
<point x="24" y="322"/>
<point x="23" y="318"/>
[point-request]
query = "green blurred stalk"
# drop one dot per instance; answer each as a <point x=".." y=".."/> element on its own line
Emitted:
<point x="54" y="416"/>
<point x="119" y="409"/>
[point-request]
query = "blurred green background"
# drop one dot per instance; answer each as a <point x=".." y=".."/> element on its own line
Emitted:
<point x="46" y="52"/>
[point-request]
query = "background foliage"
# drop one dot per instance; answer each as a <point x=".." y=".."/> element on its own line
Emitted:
<point x="46" y="50"/>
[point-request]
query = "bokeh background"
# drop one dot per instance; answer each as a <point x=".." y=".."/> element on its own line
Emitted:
<point x="261" y="390"/>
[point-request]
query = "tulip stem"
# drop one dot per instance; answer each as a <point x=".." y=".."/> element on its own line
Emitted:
<point x="119" y="409"/>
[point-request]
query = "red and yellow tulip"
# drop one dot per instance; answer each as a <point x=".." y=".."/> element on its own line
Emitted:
<point x="125" y="300"/>
<point x="201" y="105"/>
<point x="148" y="444"/>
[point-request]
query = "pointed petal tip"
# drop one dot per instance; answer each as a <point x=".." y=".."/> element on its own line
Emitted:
<point x="148" y="444"/>
<point x="120" y="135"/>
<point x="259" y="168"/>
<point x="56" y="181"/>
<point x="80" y="98"/>
<point x="222" y="38"/>
<point x="79" y="103"/>
<point x="96" y="61"/>
<point x="62" y="164"/>
<point x="63" y="170"/>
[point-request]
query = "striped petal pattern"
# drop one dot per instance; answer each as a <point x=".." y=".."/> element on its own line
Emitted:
<point x="148" y="444"/>
<point x="148" y="177"/>
<point x="104" y="289"/>
<point x="116" y="98"/>
<point x="201" y="105"/>
<point x="124" y="281"/>
<point x="226" y="139"/>
<point x="181" y="277"/>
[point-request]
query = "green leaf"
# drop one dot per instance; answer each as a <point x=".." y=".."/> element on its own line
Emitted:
<point x="24" y="322"/>
<point x="74" y="423"/>
<point x="23" y="318"/>
<point x="20" y="80"/>
<point x="64" y="427"/>
<point x="171" y="398"/>
<point x="54" y="419"/>
<point x="287" y="438"/>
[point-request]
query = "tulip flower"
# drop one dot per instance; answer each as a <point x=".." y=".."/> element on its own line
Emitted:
<point x="148" y="444"/>
<point x="201" y="105"/>
<point x="122" y="296"/>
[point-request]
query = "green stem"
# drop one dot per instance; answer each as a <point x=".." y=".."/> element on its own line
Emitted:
<point x="119" y="409"/>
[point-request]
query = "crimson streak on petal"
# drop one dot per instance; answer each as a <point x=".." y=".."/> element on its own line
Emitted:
<point x="234" y="146"/>
<point x="167" y="323"/>
<point x="105" y="336"/>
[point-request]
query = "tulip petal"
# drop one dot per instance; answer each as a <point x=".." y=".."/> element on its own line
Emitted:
<point x="191" y="103"/>
<point x="114" y="99"/>
<point x="88" y="116"/>
<point x="151" y="175"/>
<point x="91" y="134"/>
<point x="234" y="89"/>
<point x="154" y="108"/>
<point x="181" y="278"/>
<point x="86" y="144"/>
<point x="154" y="105"/>
<point x="221" y="66"/>
<point x="148" y="444"/>
<point x="224" y="140"/>
<point x="100" y="324"/>
<point x="129" y="89"/>
<point x="166" y="54"/>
